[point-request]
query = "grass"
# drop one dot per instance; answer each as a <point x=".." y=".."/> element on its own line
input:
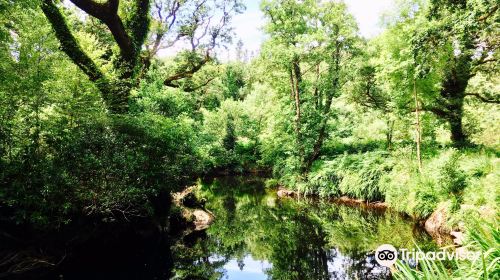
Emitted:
<point x="356" y="176"/>
<point x="465" y="180"/>
<point x="485" y="239"/>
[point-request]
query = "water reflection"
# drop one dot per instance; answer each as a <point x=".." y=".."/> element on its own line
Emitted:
<point x="246" y="268"/>
<point x="258" y="236"/>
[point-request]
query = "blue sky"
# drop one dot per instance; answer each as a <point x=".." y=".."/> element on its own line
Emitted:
<point x="247" y="26"/>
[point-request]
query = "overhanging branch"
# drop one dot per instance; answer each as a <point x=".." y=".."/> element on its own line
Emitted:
<point x="489" y="14"/>
<point x="187" y="73"/>
<point x="69" y="44"/>
<point x="108" y="13"/>
<point x="483" y="98"/>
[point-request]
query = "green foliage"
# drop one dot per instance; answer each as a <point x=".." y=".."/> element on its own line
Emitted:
<point x="100" y="167"/>
<point x="483" y="239"/>
<point x="452" y="179"/>
<point x="233" y="80"/>
<point x="63" y="157"/>
<point x="331" y="114"/>
<point x="355" y="176"/>
<point x="444" y="178"/>
<point x="271" y="183"/>
<point x="426" y="199"/>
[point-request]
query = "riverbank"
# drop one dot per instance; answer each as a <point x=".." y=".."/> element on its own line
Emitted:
<point x="453" y="189"/>
<point x="237" y="216"/>
<point x="462" y="181"/>
<point x="435" y="225"/>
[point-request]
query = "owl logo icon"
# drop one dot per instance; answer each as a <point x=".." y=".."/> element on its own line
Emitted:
<point x="386" y="255"/>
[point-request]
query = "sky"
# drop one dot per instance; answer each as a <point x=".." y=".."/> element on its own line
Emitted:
<point x="247" y="26"/>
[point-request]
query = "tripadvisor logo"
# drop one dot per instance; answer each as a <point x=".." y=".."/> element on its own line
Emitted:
<point x="386" y="255"/>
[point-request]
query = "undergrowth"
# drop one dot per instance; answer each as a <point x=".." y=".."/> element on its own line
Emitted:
<point x="464" y="179"/>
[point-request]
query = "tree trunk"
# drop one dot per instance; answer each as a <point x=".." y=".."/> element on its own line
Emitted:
<point x="296" y="87"/>
<point x="317" y="146"/>
<point x="458" y="136"/>
<point x="453" y="92"/>
<point x="389" y="134"/>
<point x="117" y="97"/>
<point x="333" y="73"/>
<point x="418" y="132"/>
<point x="322" y="133"/>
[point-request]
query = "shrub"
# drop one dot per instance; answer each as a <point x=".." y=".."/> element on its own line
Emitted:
<point x="452" y="179"/>
<point x="356" y="176"/>
<point x="107" y="169"/>
<point x="426" y="201"/>
<point x="271" y="183"/>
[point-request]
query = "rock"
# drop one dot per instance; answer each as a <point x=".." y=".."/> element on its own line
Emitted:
<point x="286" y="193"/>
<point x="436" y="225"/>
<point x="202" y="219"/>
<point x="378" y="205"/>
<point x="193" y="210"/>
<point x="348" y="200"/>
<point x="185" y="196"/>
<point x="458" y="237"/>
<point x="199" y="218"/>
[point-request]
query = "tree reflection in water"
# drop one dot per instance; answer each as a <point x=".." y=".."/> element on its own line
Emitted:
<point x="289" y="238"/>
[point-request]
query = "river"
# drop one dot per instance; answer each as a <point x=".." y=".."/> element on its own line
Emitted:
<point x="256" y="235"/>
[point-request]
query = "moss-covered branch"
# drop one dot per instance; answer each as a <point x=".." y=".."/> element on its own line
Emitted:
<point x="71" y="47"/>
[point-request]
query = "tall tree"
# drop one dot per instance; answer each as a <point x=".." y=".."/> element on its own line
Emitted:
<point x="139" y="33"/>
<point x="459" y="40"/>
<point x="313" y="43"/>
<point x="441" y="45"/>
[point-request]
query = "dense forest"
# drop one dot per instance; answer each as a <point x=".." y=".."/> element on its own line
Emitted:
<point x="99" y="126"/>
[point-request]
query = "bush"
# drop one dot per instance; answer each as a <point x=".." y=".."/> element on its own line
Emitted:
<point x="356" y="176"/>
<point x="426" y="201"/>
<point x="460" y="177"/>
<point x="452" y="180"/>
<point x="109" y="169"/>
<point x="271" y="183"/>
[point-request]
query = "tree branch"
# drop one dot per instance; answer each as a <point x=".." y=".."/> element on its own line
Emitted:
<point x="484" y="61"/>
<point x="187" y="73"/>
<point x="483" y="98"/>
<point x="140" y="23"/>
<point x="489" y="14"/>
<point x="70" y="46"/>
<point x="191" y="89"/>
<point x="107" y="13"/>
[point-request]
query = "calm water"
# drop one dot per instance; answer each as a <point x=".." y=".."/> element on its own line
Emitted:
<point x="259" y="236"/>
<point x="255" y="236"/>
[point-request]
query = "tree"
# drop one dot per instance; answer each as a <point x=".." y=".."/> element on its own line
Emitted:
<point x="442" y="46"/>
<point x="366" y="90"/>
<point x="239" y="51"/>
<point x="313" y="43"/>
<point x="459" y="40"/>
<point x="139" y="34"/>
